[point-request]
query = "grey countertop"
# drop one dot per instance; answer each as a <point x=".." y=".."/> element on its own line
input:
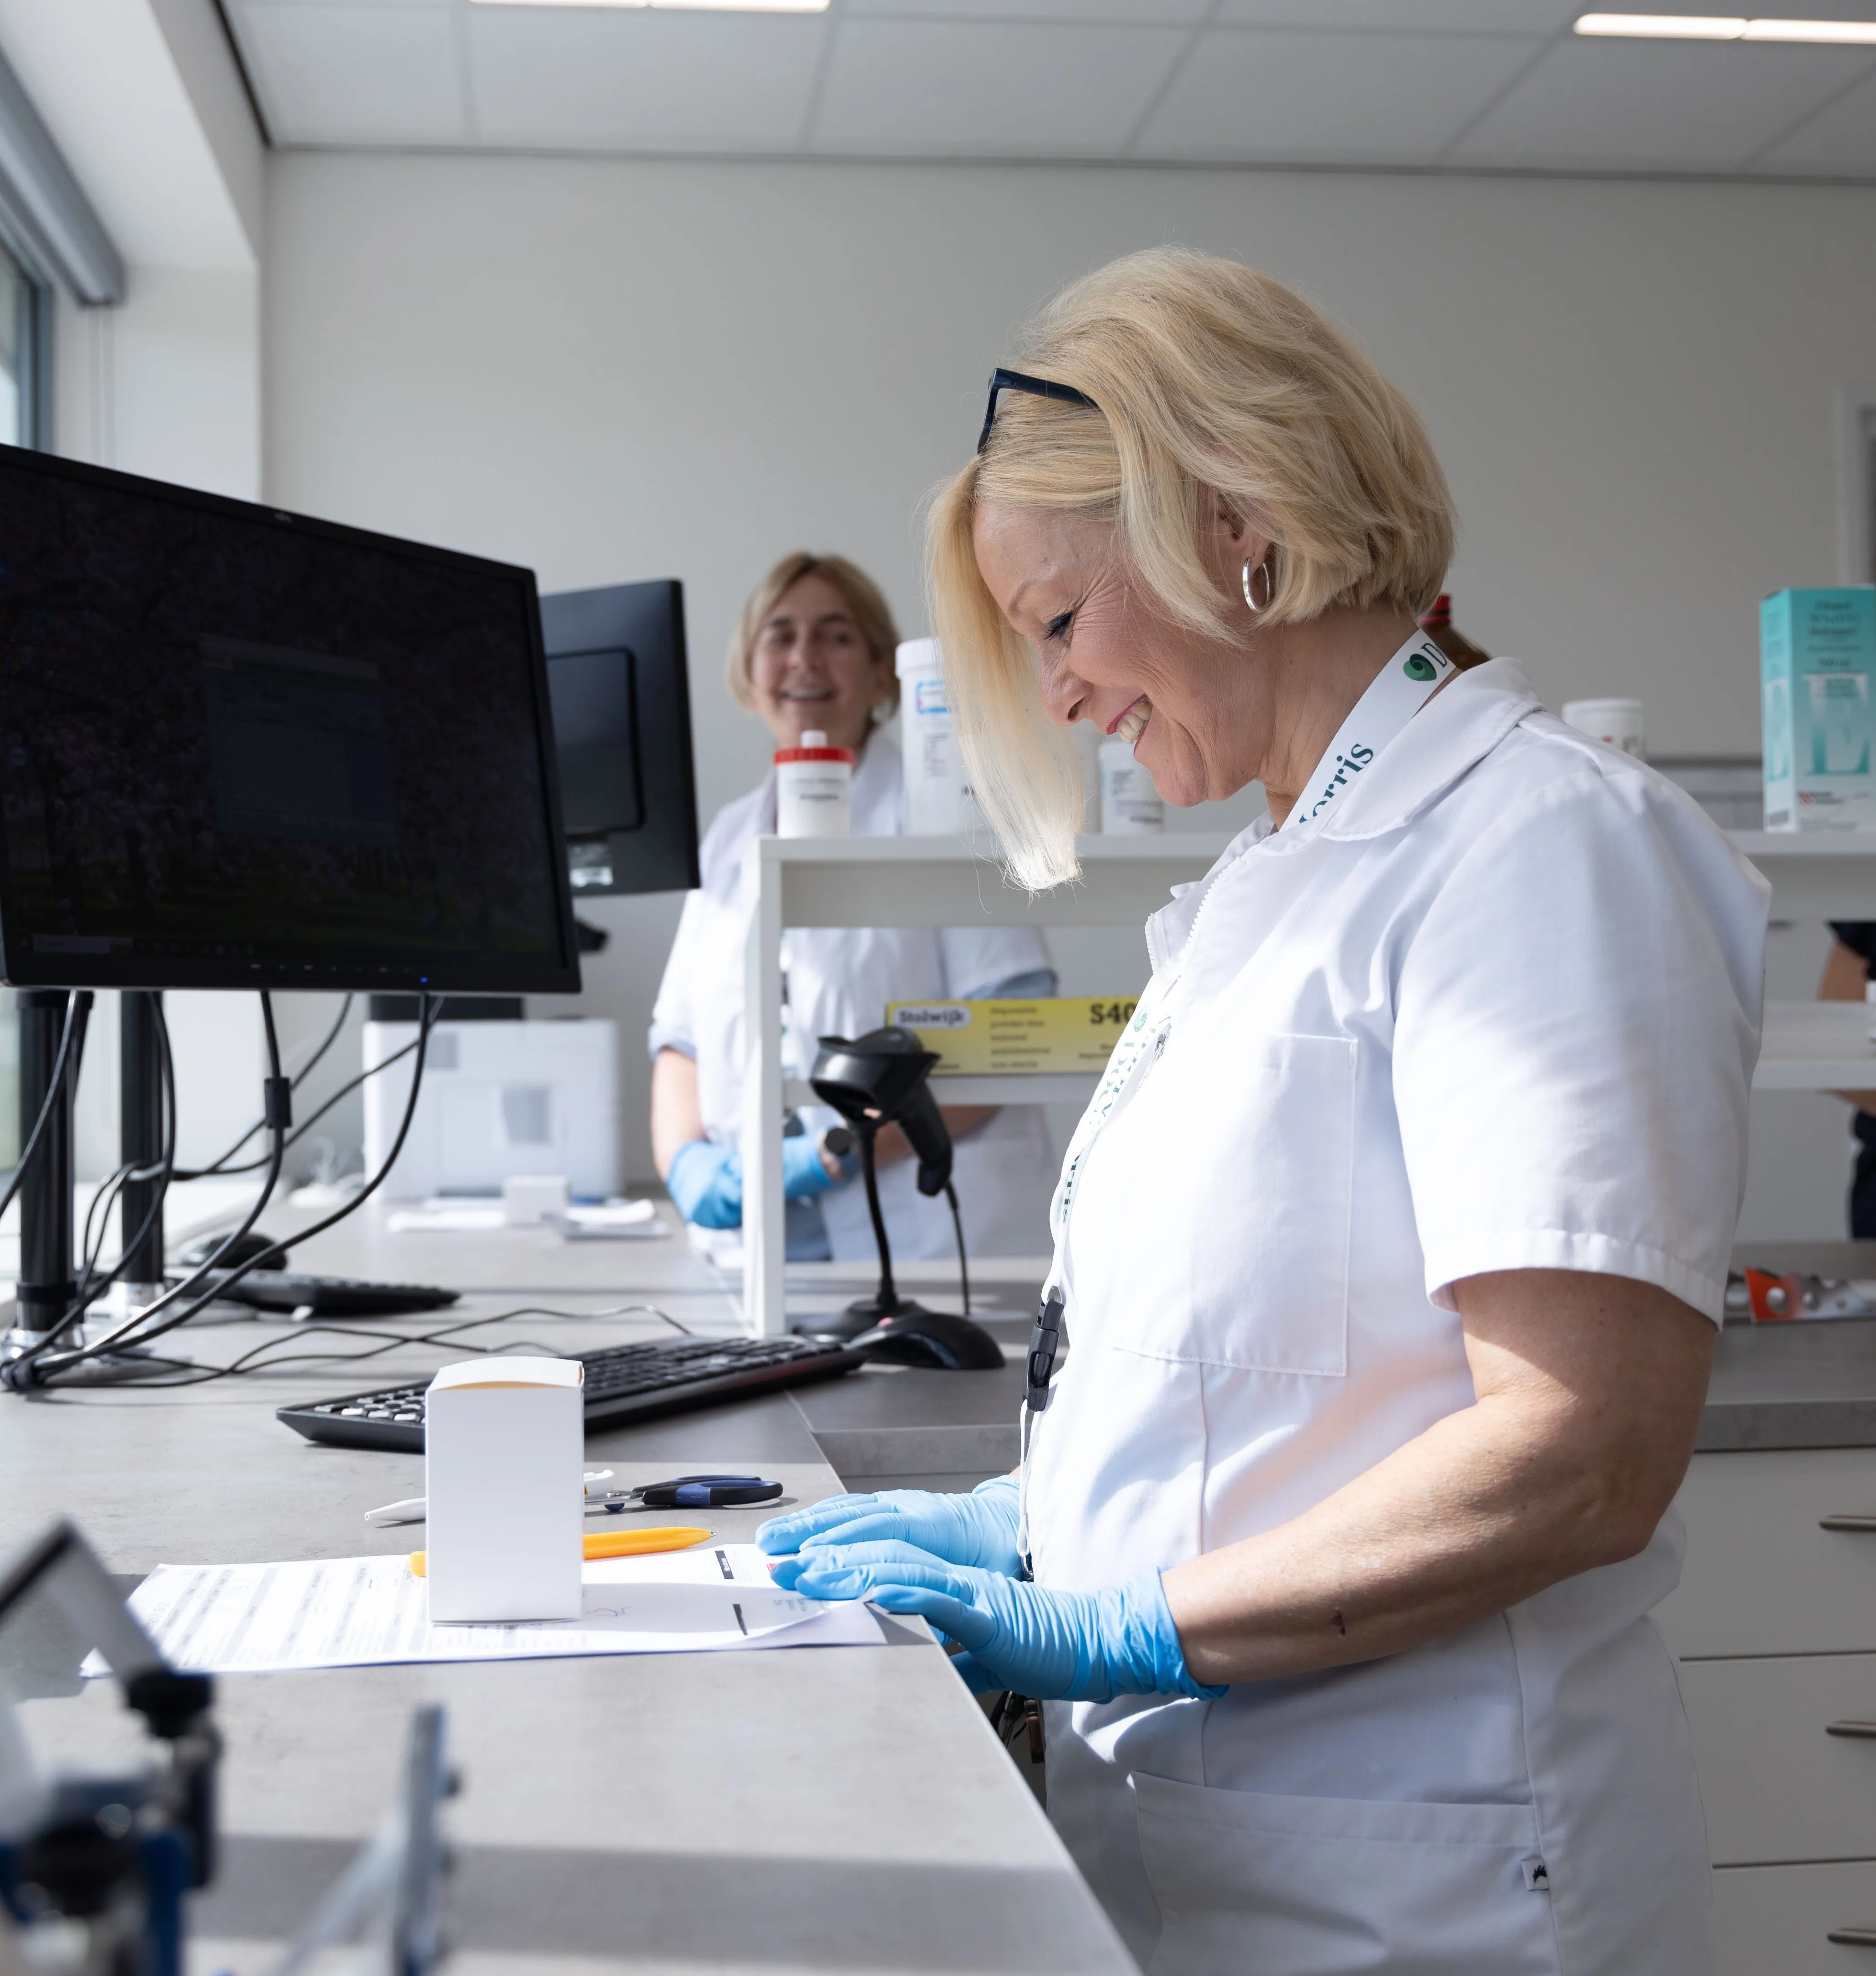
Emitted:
<point x="1808" y="1384"/>
<point x="840" y="1810"/>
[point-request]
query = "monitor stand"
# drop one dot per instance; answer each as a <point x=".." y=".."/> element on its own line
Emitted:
<point x="142" y="1129"/>
<point x="139" y="1144"/>
<point x="48" y="1283"/>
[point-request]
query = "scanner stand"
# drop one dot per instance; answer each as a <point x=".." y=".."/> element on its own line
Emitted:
<point x="886" y="1302"/>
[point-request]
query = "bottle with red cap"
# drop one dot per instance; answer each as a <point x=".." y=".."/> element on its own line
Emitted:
<point x="814" y="788"/>
<point x="1438" y="624"/>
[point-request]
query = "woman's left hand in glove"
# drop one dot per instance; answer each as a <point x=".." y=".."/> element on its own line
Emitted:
<point x="1069" y="1646"/>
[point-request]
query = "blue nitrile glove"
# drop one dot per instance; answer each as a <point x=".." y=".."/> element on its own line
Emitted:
<point x="802" y="1174"/>
<point x="979" y="1528"/>
<point x="1055" y="1646"/>
<point x="706" y="1181"/>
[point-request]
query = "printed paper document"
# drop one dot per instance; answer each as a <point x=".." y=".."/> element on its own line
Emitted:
<point x="361" y="1612"/>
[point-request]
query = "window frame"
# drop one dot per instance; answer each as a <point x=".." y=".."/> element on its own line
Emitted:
<point x="35" y="330"/>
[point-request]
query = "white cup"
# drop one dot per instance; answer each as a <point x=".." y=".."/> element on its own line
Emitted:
<point x="528" y="1199"/>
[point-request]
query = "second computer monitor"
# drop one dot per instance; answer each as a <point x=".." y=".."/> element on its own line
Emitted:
<point x="621" y="706"/>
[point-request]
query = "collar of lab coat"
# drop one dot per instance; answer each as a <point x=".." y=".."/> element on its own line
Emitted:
<point x="1457" y="730"/>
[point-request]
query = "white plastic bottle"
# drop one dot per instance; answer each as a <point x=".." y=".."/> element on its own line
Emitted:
<point x="1130" y="806"/>
<point x="814" y="788"/>
<point x="939" y="802"/>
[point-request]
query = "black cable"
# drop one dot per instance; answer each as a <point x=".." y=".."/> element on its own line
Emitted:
<point x="54" y="1094"/>
<point x="240" y="1368"/>
<point x="26" y="1371"/>
<point x="89" y="1290"/>
<point x="428" y="1005"/>
<point x="957" y="1224"/>
<point x="305" y="1070"/>
<point x="300" y="1132"/>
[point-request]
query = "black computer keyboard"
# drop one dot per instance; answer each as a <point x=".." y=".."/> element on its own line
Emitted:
<point x="624" y="1383"/>
<point x="326" y="1296"/>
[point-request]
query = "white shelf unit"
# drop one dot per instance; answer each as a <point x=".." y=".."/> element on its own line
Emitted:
<point x="928" y="881"/>
<point x="911" y="881"/>
<point x="1815" y="874"/>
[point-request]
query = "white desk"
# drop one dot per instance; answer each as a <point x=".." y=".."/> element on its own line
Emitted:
<point x="843" y="1810"/>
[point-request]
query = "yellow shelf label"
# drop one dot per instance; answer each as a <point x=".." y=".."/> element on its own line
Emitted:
<point x="986" y="1039"/>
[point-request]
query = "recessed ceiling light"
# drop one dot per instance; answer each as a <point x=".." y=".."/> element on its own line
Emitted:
<point x="694" y="6"/>
<point x="1724" y="28"/>
<point x="1664" y="27"/>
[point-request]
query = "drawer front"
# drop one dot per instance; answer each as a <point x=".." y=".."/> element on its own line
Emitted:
<point x="1776" y="1785"/>
<point x="1776" y="1920"/>
<point x="1761" y="1576"/>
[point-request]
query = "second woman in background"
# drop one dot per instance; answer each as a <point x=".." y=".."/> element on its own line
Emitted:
<point x="815" y="649"/>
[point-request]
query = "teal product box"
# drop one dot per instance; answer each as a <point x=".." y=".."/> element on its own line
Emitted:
<point x="1817" y="670"/>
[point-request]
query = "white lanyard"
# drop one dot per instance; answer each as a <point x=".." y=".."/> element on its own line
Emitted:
<point x="1403" y="686"/>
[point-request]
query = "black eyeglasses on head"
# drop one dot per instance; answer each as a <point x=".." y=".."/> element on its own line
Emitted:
<point x="1037" y="387"/>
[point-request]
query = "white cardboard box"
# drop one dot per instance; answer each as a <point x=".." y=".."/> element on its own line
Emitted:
<point x="504" y="1449"/>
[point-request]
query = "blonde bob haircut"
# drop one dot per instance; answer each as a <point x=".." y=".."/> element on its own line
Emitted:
<point x="1212" y="381"/>
<point x="871" y="617"/>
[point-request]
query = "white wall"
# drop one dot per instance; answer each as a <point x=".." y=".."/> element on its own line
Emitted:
<point x="609" y="369"/>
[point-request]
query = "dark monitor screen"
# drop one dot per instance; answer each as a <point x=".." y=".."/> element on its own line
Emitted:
<point x="241" y="749"/>
<point x="621" y="698"/>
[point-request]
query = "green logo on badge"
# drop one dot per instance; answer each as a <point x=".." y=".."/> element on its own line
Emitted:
<point x="1418" y="668"/>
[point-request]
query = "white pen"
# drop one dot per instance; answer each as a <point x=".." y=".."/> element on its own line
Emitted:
<point x="412" y="1509"/>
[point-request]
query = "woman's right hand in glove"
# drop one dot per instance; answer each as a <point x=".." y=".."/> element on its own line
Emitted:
<point x="979" y="1529"/>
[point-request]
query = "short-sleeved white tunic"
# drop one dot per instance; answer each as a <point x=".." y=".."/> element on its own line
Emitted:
<point x="1500" y="1011"/>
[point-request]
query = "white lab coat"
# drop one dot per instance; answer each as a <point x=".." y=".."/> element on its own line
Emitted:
<point x="1500" y="1012"/>
<point x="839" y="981"/>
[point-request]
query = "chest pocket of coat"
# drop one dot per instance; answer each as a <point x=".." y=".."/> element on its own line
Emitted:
<point x="1245" y="1262"/>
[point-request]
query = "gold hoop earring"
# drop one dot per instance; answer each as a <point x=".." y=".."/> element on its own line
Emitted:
<point x="1262" y="569"/>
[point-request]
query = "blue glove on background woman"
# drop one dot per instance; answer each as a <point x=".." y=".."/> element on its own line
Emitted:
<point x="706" y="1179"/>
<point x="1065" y="1646"/>
<point x="979" y="1528"/>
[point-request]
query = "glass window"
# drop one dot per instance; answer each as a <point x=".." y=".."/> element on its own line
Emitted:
<point x="25" y="320"/>
<point x="24" y="317"/>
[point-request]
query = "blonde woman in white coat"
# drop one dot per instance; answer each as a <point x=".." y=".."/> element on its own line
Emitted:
<point x="815" y="649"/>
<point x="1391" y="1247"/>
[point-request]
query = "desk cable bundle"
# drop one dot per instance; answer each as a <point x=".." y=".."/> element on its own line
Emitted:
<point x="39" y="1363"/>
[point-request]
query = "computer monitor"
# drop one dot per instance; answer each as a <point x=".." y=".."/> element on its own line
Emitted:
<point x="621" y="698"/>
<point x="241" y="749"/>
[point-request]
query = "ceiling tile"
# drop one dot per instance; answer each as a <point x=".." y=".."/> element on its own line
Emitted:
<point x="991" y="89"/>
<point x="1504" y="17"/>
<point x="353" y="72"/>
<point x="634" y="79"/>
<point x="1614" y="104"/>
<point x="1255" y="93"/>
<point x="1841" y="137"/>
<point x="1136" y="13"/>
